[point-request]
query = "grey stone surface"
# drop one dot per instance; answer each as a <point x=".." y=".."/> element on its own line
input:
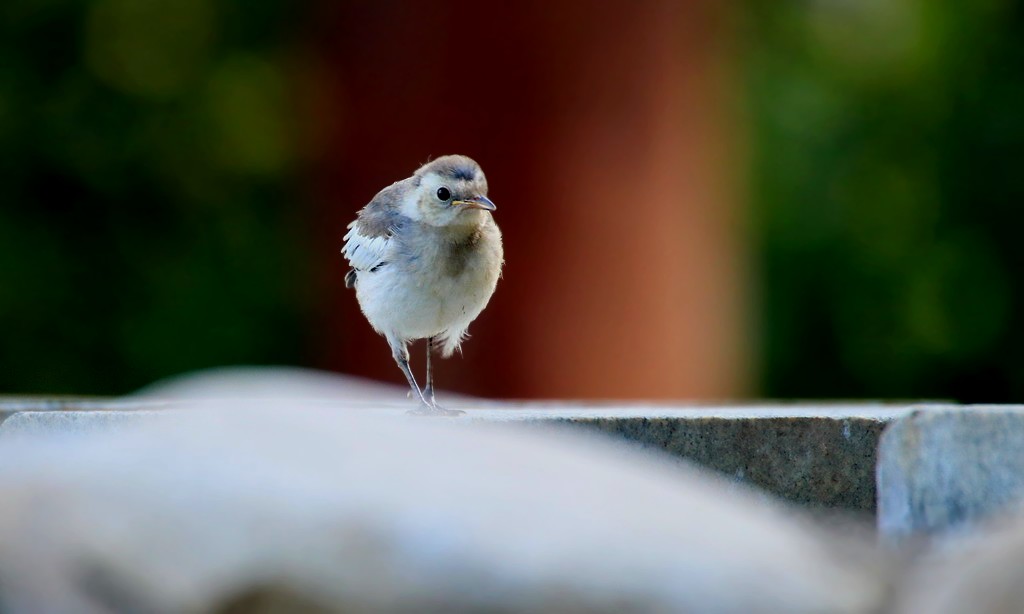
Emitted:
<point x="322" y="510"/>
<point x="35" y="423"/>
<point x="820" y="456"/>
<point x="11" y="406"/>
<point x="946" y="470"/>
<point x="816" y="455"/>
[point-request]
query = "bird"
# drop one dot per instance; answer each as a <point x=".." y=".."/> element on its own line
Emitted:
<point x="425" y="257"/>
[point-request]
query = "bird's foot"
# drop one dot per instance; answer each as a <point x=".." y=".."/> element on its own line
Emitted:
<point x="433" y="409"/>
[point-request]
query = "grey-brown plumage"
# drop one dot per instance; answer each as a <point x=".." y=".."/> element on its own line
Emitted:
<point x="426" y="256"/>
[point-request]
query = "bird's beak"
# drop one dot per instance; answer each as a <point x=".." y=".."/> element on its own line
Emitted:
<point x="477" y="202"/>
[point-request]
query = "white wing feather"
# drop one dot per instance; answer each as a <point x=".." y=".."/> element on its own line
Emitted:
<point x="362" y="252"/>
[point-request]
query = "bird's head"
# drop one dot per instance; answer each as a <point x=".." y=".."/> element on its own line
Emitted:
<point x="449" y="191"/>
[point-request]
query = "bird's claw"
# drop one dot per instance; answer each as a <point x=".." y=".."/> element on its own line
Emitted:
<point x="433" y="409"/>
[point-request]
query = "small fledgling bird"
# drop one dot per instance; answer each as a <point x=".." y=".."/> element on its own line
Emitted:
<point x="426" y="256"/>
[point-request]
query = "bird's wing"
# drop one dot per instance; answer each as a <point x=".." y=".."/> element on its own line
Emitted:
<point x="368" y="238"/>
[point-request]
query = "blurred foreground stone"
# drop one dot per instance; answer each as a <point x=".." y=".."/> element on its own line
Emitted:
<point x="286" y="490"/>
<point x="980" y="573"/>
<point x="300" y="508"/>
<point x="821" y="456"/>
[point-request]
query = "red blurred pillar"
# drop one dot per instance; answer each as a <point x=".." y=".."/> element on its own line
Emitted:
<point x="605" y="132"/>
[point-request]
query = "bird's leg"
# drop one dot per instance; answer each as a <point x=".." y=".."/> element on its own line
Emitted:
<point x="432" y="408"/>
<point x="428" y="391"/>
<point x="401" y="355"/>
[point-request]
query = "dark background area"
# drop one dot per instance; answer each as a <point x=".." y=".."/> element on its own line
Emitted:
<point x="700" y="200"/>
<point x="888" y="145"/>
<point x="148" y="177"/>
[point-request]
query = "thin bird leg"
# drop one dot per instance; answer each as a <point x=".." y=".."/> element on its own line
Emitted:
<point x="401" y="355"/>
<point x="430" y="408"/>
<point x="428" y="390"/>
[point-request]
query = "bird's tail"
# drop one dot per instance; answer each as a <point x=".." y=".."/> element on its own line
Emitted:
<point x="451" y="340"/>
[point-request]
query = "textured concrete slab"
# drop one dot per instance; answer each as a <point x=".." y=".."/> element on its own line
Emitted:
<point x="817" y="455"/>
<point x="36" y="423"/>
<point x="314" y="510"/>
<point x="945" y="470"/>
<point x="10" y="406"/>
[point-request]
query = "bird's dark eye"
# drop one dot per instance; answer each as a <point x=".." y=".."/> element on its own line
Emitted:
<point x="443" y="194"/>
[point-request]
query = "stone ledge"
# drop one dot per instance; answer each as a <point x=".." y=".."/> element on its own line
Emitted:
<point x="306" y="509"/>
<point x="817" y="455"/>
<point x="948" y="470"/>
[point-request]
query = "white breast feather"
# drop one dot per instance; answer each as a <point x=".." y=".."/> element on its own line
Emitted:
<point x="363" y="252"/>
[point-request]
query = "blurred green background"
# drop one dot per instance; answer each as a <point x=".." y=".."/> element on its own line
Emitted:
<point x="146" y="169"/>
<point x="888" y="142"/>
<point x="149" y="164"/>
